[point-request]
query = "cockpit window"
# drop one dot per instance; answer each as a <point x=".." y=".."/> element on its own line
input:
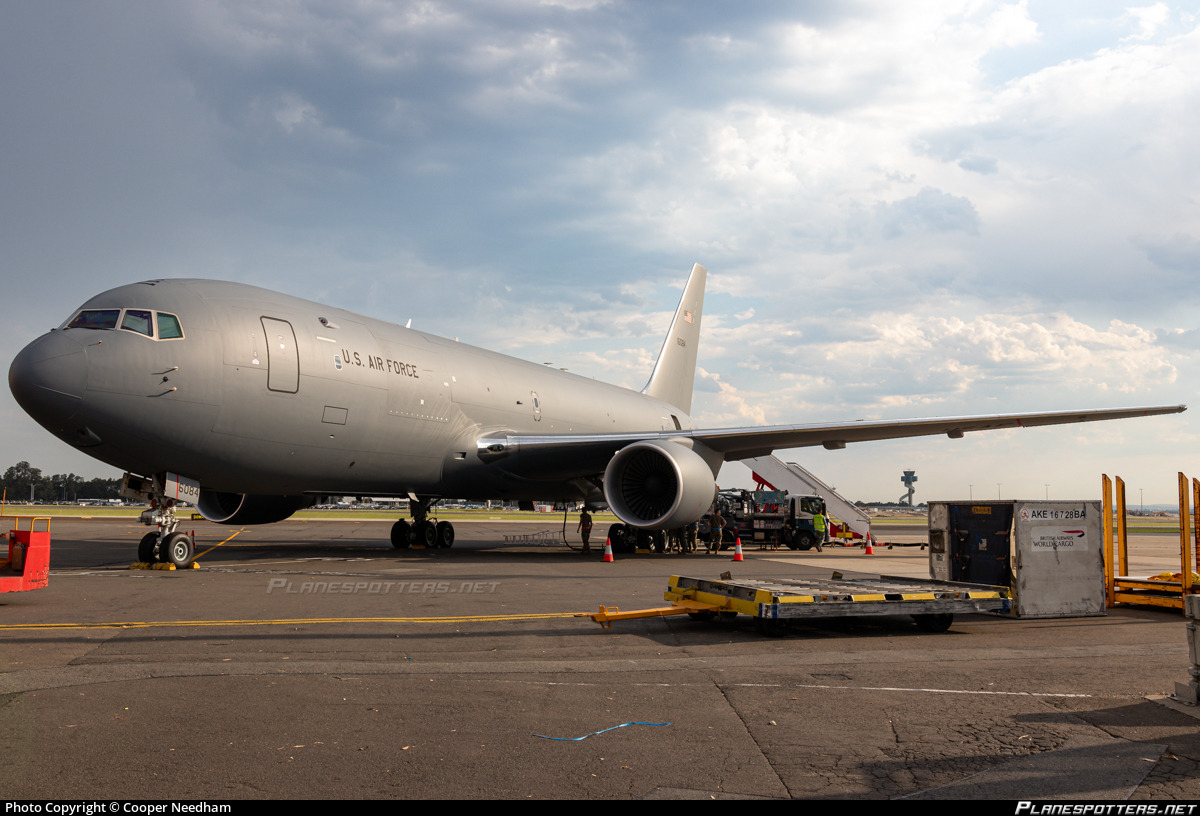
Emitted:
<point x="141" y="321"/>
<point x="95" y="319"/>
<point x="138" y="320"/>
<point x="168" y="326"/>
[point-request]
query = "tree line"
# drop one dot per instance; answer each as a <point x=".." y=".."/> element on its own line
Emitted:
<point x="22" y="480"/>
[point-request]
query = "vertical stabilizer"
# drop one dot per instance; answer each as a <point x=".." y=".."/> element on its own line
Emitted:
<point x="675" y="371"/>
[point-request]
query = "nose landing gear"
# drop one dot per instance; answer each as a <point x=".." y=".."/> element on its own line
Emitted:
<point x="168" y="545"/>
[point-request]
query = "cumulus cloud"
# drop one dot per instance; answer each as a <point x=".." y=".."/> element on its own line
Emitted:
<point x="925" y="206"/>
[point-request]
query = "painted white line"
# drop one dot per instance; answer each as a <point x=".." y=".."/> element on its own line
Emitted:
<point x="923" y="690"/>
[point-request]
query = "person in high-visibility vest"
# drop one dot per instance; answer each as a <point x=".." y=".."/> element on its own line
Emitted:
<point x="819" y="528"/>
<point x="717" y="539"/>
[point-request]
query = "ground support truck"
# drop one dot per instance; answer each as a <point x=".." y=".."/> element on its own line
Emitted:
<point x="769" y="518"/>
<point x="773" y="518"/>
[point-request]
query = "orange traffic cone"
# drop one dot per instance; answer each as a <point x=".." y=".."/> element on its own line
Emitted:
<point x="870" y="549"/>
<point x="608" y="549"/>
<point x="737" y="550"/>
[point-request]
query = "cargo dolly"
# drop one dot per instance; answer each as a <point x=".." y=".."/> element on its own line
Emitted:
<point x="772" y="603"/>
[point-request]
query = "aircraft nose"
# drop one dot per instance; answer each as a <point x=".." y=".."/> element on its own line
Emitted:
<point x="48" y="379"/>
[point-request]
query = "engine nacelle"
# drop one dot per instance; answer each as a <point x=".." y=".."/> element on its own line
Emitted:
<point x="240" y="508"/>
<point x="658" y="484"/>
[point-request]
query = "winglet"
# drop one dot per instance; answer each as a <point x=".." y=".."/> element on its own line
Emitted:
<point x="674" y="373"/>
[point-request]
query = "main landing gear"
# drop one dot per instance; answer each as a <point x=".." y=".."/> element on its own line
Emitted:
<point x="627" y="539"/>
<point x="422" y="530"/>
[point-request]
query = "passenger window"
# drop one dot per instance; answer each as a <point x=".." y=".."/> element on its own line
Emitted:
<point x="137" y="320"/>
<point x="168" y="327"/>
<point x="95" y="319"/>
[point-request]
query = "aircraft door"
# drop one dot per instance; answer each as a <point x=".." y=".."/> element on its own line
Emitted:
<point x="283" y="363"/>
<point x="979" y="537"/>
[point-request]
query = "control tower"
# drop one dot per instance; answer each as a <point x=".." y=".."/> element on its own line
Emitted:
<point x="908" y="479"/>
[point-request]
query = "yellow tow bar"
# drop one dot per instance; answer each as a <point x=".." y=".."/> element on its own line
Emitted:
<point x="608" y="614"/>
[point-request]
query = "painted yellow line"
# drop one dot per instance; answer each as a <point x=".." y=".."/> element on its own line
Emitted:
<point x="44" y="627"/>
<point x="213" y="547"/>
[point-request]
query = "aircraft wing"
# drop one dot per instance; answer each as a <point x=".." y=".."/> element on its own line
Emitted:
<point x="573" y="454"/>
<point x="744" y="443"/>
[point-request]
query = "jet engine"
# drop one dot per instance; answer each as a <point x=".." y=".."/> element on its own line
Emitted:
<point x="241" y="508"/>
<point x="658" y="484"/>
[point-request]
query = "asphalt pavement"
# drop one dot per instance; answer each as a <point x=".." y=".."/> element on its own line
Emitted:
<point x="312" y="660"/>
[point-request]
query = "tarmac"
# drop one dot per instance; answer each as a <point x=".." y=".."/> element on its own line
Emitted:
<point x="309" y="659"/>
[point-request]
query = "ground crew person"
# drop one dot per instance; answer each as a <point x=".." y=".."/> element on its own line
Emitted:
<point x="819" y="528"/>
<point x="585" y="529"/>
<point x="717" y="539"/>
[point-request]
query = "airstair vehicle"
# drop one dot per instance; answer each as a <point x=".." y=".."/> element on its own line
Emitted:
<point x="791" y="477"/>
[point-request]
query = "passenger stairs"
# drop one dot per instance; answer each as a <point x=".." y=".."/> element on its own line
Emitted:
<point x="794" y="479"/>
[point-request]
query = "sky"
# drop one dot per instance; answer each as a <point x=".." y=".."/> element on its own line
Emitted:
<point x="906" y="209"/>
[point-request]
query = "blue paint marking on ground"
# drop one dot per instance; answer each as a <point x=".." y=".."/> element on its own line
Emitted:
<point x="594" y="733"/>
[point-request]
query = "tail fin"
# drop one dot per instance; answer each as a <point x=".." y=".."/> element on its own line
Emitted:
<point x="674" y="373"/>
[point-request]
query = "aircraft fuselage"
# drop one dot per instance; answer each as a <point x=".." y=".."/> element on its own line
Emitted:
<point x="259" y="401"/>
<point x="267" y="389"/>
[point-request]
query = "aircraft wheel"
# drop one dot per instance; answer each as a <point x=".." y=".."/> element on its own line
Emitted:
<point x="146" y="548"/>
<point x="616" y="537"/>
<point x="934" y="622"/>
<point x="445" y="534"/>
<point x="179" y="550"/>
<point x="615" y="533"/>
<point x="425" y="533"/>
<point x="626" y="540"/>
<point x="658" y="541"/>
<point x="400" y="532"/>
<point x="633" y="540"/>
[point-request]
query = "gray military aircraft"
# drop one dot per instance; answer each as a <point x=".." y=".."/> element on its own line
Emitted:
<point x="252" y="404"/>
